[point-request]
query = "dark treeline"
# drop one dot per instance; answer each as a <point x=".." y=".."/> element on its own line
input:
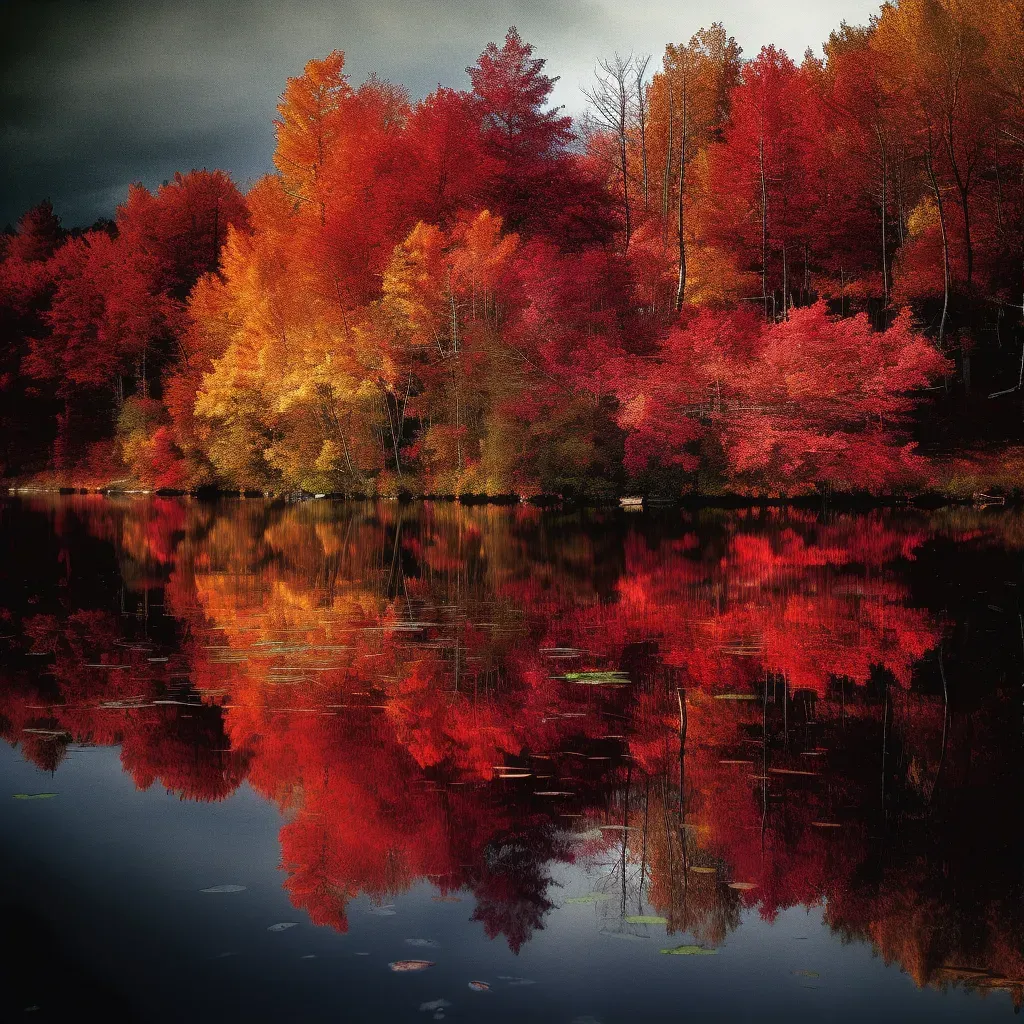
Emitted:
<point x="753" y="276"/>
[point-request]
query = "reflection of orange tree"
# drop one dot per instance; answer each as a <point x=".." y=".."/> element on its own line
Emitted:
<point x="728" y="694"/>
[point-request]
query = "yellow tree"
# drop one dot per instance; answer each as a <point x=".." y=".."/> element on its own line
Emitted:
<point x="286" y="398"/>
<point x="689" y="105"/>
<point x="445" y="295"/>
<point x="935" y="55"/>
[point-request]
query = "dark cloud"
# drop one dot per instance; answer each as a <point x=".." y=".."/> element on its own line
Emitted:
<point x="95" y="94"/>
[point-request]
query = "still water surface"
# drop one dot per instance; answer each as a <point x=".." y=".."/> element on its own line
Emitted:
<point x="612" y="767"/>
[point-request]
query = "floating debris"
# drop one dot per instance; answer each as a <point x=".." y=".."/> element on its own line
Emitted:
<point x="224" y="888"/>
<point x="480" y="986"/>
<point x="282" y="926"/>
<point x="689" y="951"/>
<point x="645" y="919"/>
<point x="585" y="837"/>
<point x="426" y="943"/>
<point x="34" y="796"/>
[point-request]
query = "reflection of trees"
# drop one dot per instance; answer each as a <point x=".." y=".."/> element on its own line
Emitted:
<point x="749" y="698"/>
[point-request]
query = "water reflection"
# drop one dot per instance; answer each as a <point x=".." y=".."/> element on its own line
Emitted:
<point x="712" y="711"/>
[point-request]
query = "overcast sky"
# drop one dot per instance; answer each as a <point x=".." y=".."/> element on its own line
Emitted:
<point x="96" y="94"/>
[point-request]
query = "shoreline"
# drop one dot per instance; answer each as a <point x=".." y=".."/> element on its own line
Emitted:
<point x="846" y="500"/>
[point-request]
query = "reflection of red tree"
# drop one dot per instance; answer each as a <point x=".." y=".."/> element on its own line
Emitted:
<point x="370" y="673"/>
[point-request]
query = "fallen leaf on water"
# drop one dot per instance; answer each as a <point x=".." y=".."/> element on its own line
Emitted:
<point x="410" y="965"/>
<point x="592" y="897"/>
<point x="480" y="986"/>
<point x="645" y="919"/>
<point x="806" y="974"/>
<point x="224" y="888"/>
<point x="34" y="796"/>
<point x="743" y="886"/>
<point x="427" y="943"/>
<point x="689" y="951"/>
<point x="282" y="926"/>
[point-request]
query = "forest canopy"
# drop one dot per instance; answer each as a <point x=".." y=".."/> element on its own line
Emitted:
<point x="730" y="275"/>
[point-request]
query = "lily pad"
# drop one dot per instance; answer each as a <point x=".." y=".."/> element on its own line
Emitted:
<point x="689" y="951"/>
<point x="410" y="965"/>
<point x="645" y="919"/>
<point x="34" y="796"/>
<point x="591" y="897"/>
<point x="598" y="678"/>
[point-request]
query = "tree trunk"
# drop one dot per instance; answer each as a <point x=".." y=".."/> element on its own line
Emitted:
<point x="785" y="284"/>
<point x="945" y="243"/>
<point x="680" y="218"/>
<point x="764" y="226"/>
<point x="885" y="202"/>
<point x="666" y="186"/>
<point x="625" y="188"/>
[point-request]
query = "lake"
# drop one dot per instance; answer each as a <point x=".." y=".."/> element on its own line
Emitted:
<point x="381" y="762"/>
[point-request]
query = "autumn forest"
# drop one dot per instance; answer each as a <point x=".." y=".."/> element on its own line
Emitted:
<point x="731" y="274"/>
